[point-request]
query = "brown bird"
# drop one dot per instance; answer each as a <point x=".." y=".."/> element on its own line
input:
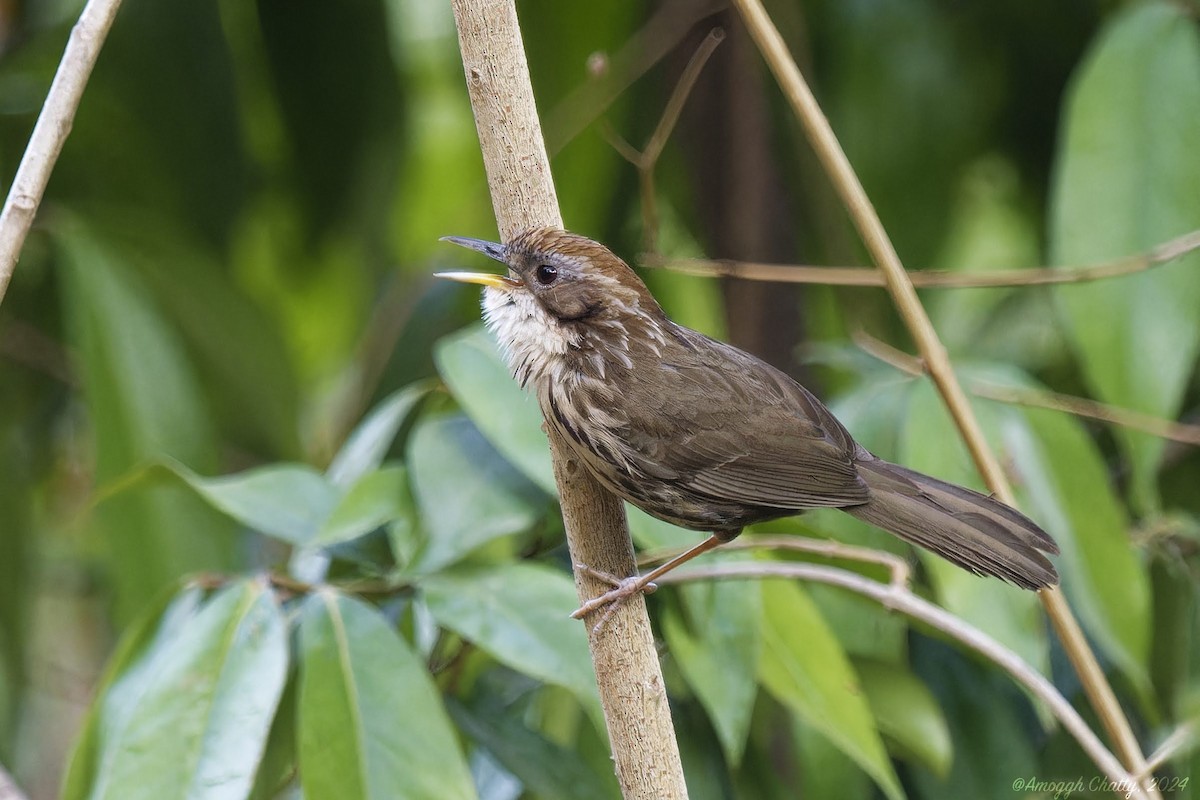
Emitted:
<point x="702" y="434"/>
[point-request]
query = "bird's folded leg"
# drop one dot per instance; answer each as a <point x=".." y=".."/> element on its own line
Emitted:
<point x="624" y="588"/>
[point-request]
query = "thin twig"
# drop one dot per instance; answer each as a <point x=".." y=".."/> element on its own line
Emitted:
<point x="1092" y="409"/>
<point x="1180" y="739"/>
<point x="930" y="279"/>
<point x="646" y="160"/>
<point x="897" y="567"/>
<point x="50" y="132"/>
<point x="666" y="27"/>
<point x="679" y="95"/>
<point x="898" y="598"/>
<point x="1040" y="398"/>
<point x="933" y="353"/>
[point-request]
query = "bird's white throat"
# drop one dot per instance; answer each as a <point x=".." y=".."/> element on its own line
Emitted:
<point x="532" y="341"/>
<point x="540" y="347"/>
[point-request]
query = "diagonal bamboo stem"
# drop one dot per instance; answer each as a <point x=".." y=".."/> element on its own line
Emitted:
<point x="937" y="362"/>
<point x="50" y="132"/>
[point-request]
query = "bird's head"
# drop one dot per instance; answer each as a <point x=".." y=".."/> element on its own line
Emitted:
<point x="572" y="278"/>
<point x="563" y="293"/>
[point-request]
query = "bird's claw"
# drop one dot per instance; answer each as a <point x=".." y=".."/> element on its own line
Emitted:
<point x="623" y="589"/>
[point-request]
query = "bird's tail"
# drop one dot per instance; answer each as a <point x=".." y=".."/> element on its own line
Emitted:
<point x="972" y="530"/>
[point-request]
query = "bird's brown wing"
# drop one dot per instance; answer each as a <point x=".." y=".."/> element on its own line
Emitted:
<point x="735" y="429"/>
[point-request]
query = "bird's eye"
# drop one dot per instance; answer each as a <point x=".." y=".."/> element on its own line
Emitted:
<point x="546" y="274"/>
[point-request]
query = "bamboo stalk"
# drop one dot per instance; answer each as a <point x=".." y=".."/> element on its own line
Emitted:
<point x="937" y="363"/>
<point x="628" y="673"/>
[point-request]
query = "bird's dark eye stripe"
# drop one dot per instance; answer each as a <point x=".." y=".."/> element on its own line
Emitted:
<point x="546" y="274"/>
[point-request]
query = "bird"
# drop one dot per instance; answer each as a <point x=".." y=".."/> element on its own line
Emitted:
<point x="704" y="435"/>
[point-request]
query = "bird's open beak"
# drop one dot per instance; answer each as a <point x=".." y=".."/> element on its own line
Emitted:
<point x="489" y="249"/>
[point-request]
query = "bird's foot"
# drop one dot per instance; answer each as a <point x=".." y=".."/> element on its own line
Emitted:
<point x="623" y="589"/>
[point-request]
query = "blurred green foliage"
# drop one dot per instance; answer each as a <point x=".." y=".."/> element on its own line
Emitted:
<point x="274" y="477"/>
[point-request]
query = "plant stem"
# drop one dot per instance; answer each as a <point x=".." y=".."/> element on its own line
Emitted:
<point x="897" y="597"/>
<point x="628" y="673"/>
<point x="937" y="363"/>
<point x="50" y="132"/>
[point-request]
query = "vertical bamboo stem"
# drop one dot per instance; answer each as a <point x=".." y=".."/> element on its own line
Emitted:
<point x="628" y="673"/>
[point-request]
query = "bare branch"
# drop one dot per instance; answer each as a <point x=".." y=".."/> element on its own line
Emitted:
<point x="1180" y="740"/>
<point x="628" y="673"/>
<point x="931" y="279"/>
<point x="896" y="597"/>
<point x="1040" y="398"/>
<point x="933" y="354"/>
<point x="50" y="132"/>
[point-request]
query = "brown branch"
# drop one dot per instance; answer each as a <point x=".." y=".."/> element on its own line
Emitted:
<point x="933" y="354"/>
<point x="1041" y="398"/>
<point x="897" y="567"/>
<point x="897" y="597"/>
<point x="647" y="159"/>
<point x="931" y="279"/>
<point x="50" y="132"/>
<point x="632" y="691"/>
<point x="671" y="21"/>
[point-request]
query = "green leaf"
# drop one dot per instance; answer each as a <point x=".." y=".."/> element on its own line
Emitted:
<point x="466" y="493"/>
<point x="191" y="716"/>
<point x="719" y="654"/>
<point x="367" y="445"/>
<point x="376" y="499"/>
<point x="149" y="631"/>
<point x="372" y="725"/>
<point x="143" y="403"/>
<point x="1127" y="179"/>
<point x="990" y="723"/>
<point x="1065" y="479"/>
<point x="805" y="668"/>
<point x="520" y="614"/>
<point x="547" y="769"/>
<point x="508" y="416"/>
<point x="907" y="714"/>
<point x="289" y="502"/>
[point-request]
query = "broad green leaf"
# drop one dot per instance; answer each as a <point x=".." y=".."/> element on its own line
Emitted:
<point x="805" y="668"/>
<point x="466" y="493"/>
<point x="286" y="501"/>
<point x="367" y="445"/>
<point x="239" y="354"/>
<point x="931" y="444"/>
<point x="1065" y="479"/>
<point x="372" y="725"/>
<point x="191" y="717"/>
<point x="990" y="723"/>
<point x="376" y="499"/>
<point x="907" y="714"/>
<point x="151" y="631"/>
<point x="544" y="767"/>
<point x="718" y="653"/>
<point x="143" y="403"/>
<point x="520" y="614"/>
<point x="1127" y="178"/>
<point x="508" y="416"/>
<point x="825" y="771"/>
